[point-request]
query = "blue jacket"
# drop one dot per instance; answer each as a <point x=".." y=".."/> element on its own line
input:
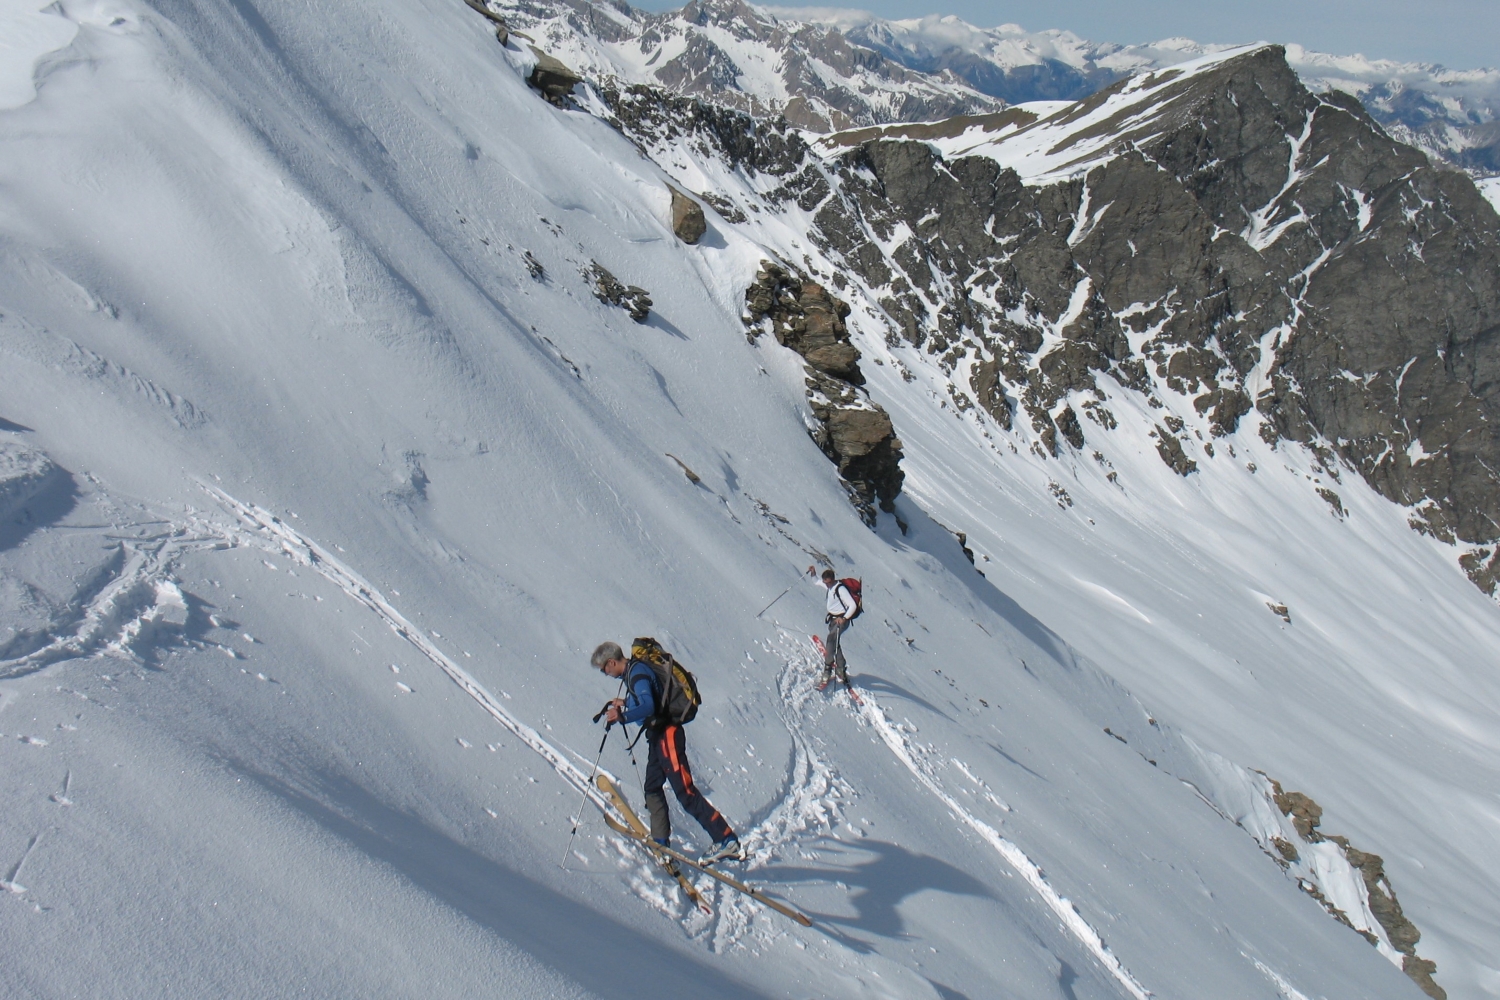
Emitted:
<point x="640" y="692"/>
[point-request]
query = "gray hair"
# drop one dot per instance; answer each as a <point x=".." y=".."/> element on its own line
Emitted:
<point x="607" y="651"/>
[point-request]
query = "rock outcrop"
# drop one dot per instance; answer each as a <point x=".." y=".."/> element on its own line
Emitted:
<point x="854" y="432"/>
<point x="1306" y="816"/>
<point x="611" y="291"/>
<point x="553" y="80"/>
<point x="688" y="221"/>
<point x="1222" y="243"/>
<point x="1269" y="250"/>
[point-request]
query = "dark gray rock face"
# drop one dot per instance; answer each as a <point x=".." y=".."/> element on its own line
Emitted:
<point x="1278" y="236"/>
<point x="855" y="433"/>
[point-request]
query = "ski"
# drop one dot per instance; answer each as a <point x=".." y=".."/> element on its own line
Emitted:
<point x="636" y="830"/>
<point x="848" y="685"/>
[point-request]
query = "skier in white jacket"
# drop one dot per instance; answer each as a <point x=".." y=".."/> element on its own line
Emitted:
<point x="841" y="607"/>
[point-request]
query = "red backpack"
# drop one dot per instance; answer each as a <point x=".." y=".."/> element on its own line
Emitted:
<point x="853" y="585"/>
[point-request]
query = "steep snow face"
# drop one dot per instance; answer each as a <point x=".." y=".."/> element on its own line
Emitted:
<point x="1490" y="188"/>
<point x="354" y="468"/>
<point x="26" y="35"/>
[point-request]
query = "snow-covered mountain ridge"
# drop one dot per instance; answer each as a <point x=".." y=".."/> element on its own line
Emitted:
<point x="327" y="463"/>
<point x="829" y="68"/>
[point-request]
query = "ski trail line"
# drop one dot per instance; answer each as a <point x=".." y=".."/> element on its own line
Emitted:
<point x="107" y="623"/>
<point x="810" y="802"/>
<point x="1283" y="987"/>
<point x="310" y="554"/>
<point x="1072" y="920"/>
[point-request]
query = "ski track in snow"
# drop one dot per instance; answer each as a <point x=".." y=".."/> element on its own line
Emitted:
<point x="1283" y="987"/>
<point x="305" y="552"/>
<point x="811" y="801"/>
<point x="801" y="806"/>
<point x="139" y="595"/>
<point x="810" y="804"/>
<point x="915" y="760"/>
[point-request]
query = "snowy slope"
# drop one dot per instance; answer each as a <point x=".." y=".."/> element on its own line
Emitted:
<point x="295" y="699"/>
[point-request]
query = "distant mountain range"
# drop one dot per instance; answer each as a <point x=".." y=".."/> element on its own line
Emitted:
<point x="828" y="69"/>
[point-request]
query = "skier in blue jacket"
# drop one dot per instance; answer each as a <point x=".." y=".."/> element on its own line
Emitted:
<point x="666" y="758"/>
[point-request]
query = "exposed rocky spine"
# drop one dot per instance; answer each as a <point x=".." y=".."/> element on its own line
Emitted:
<point x="854" y="432"/>
<point x="1306" y="816"/>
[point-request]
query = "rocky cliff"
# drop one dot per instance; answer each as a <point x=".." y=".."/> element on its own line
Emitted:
<point x="1212" y="239"/>
<point x="1217" y="240"/>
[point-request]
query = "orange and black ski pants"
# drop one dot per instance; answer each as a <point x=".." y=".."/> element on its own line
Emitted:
<point x="666" y="761"/>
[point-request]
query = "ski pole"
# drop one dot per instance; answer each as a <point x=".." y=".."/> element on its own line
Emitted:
<point x="778" y="597"/>
<point x="593" y="773"/>
<point x="584" y="801"/>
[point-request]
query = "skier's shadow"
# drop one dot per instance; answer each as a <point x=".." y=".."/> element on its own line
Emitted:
<point x="881" y="685"/>
<point x="880" y="875"/>
<point x="1008" y="757"/>
<point x="607" y="958"/>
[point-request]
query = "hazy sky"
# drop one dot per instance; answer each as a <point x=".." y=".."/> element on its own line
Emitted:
<point x="1461" y="34"/>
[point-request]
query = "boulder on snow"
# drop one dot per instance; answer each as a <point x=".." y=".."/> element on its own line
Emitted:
<point x="838" y="360"/>
<point x="806" y="318"/>
<point x="856" y="433"/>
<point x="687" y="217"/>
<point x="552" y="78"/>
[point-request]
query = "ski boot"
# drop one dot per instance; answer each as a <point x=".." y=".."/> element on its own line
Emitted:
<point x="728" y="849"/>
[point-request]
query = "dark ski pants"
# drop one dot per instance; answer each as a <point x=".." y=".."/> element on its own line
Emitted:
<point x="666" y="761"/>
<point x="833" y="651"/>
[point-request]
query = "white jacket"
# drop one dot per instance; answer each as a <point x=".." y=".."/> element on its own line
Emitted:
<point x="840" y="601"/>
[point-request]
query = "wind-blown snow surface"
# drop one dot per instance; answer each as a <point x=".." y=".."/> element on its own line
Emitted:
<point x="295" y="697"/>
